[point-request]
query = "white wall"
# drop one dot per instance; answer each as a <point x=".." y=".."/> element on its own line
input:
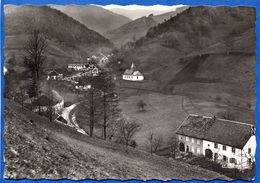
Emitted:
<point x="241" y="156"/>
<point x="133" y="78"/>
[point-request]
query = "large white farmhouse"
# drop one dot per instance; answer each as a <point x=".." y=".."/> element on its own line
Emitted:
<point x="229" y="143"/>
<point x="132" y="74"/>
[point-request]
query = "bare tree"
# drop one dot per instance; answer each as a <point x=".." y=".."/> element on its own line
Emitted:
<point x="226" y="115"/>
<point x="92" y="102"/>
<point x="126" y="130"/>
<point x="22" y="92"/>
<point x="150" y="139"/>
<point x="35" y="53"/>
<point x="9" y="84"/>
<point x="109" y="100"/>
<point x="155" y="141"/>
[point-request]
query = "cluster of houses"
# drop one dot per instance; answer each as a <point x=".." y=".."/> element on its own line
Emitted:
<point x="230" y="143"/>
<point x="80" y="69"/>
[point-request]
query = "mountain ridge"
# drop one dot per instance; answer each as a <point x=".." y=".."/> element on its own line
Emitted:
<point x="94" y="17"/>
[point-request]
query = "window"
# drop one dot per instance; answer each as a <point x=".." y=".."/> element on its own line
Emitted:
<point x="249" y="150"/>
<point x="198" y="141"/>
<point x="225" y="158"/>
<point x="249" y="161"/>
<point x="192" y="149"/>
<point x="224" y="148"/>
<point x="187" y="139"/>
<point x="198" y="151"/>
<point x="192" y="140"/>
<point x="233" y="160"/>
<point x="216" y="145"/>
<point x="233" y="150"/>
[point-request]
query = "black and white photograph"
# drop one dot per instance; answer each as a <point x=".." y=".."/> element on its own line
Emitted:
<point x="129" y="92"/>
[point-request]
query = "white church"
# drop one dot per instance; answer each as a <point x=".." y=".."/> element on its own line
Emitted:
<point x="132" y="74"/>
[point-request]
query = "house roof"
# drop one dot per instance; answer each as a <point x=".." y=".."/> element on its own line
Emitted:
<point x="53" y="73"/>
<point x="44" y="101"/>
<point x="128" y="72"/>
<point x="231" y="133"/>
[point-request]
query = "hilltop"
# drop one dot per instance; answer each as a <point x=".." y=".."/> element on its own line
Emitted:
<point x="130" y="31"/>
<point x="67" y="37"/>
<point x="165" y="16"/>
<point x="138" y="28"/>
<point x="201" y="48"/>
<point x="94" y="17"/>
<point x="35" y="146"/>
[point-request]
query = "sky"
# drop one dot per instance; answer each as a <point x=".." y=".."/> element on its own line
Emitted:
<point x="137" y="11"/>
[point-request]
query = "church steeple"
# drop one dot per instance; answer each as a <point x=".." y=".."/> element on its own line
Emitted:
<point x="133" y="66"/>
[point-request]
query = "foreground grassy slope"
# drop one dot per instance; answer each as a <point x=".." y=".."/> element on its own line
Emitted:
<point x="41" y="149"/>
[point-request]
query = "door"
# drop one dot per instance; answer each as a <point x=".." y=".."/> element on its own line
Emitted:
<point x="208" y="154"/>
<point x="182" y="148"/>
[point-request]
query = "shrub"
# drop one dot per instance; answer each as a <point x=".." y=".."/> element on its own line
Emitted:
<point x="226" y="115"/>
<point x="218" y="98"/>
<point x="133" y="144"/>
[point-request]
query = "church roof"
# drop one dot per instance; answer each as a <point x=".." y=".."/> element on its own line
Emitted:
<point x="231" y="133"/>
<point x="137" y="73"/>
<point x="128" y="72"/>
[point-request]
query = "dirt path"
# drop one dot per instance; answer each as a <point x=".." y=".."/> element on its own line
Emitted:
<point x="69" y="114"/>
<point x="189" y="107"/>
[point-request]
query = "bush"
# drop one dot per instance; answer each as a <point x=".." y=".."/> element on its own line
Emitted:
<point x="226" y="115"/>
<point x="133" y="144"/>
<point x="218" y="98"/>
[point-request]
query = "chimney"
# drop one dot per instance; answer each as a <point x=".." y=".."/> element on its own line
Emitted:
<point x="214" y="118"/>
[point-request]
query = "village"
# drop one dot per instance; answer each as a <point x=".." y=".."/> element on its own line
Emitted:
<point x="197" y="136"/>
<point x="186" y="103"/>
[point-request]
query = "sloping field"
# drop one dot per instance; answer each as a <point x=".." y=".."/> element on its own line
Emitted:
<point x="36" y="148"/>
<point x="163" y="113"/>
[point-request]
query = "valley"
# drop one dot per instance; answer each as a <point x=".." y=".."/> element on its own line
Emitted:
<point x="193" y="61"/>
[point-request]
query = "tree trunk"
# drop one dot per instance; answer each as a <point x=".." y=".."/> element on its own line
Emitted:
<point x="91" y="126"/>
<point x="50" y="117"/>
<point x="39" y="112"/>
<point x="105" y="116"/>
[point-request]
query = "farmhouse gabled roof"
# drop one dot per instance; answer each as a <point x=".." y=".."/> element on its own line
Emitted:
<point x="231" y="133"/>
<point x="48" y="101"/>
<point x="44" y="101"/>
<point x="128" y="72"/>
<point x="53" y="73"/>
